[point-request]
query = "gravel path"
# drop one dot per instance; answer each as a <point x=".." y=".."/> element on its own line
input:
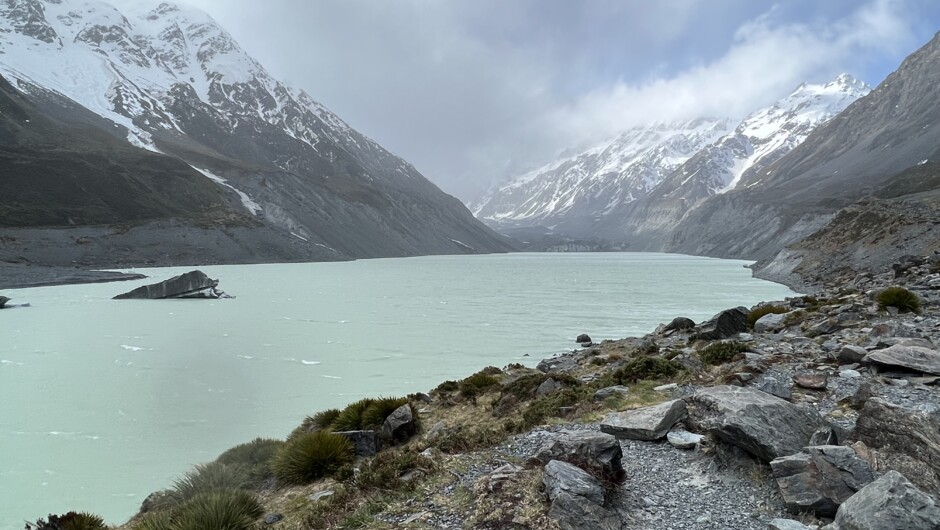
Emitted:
<point x="671" y="489"/>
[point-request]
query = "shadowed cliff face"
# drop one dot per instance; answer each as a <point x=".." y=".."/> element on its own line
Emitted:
<point x="59" y="175"/>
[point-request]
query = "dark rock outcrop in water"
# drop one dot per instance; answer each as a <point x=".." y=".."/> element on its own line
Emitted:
<point x="3" y="301"/>
<point x="194" y="284"/>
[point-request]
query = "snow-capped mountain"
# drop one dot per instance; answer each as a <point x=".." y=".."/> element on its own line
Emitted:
<point x="595" y="182"/>
<point x="638" y="187"/>
<point x="170" y="80"/>
<point x="761" y="139"/>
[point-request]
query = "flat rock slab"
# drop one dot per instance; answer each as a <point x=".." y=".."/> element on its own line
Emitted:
<point x="911" y="357"/>
<point x="891" y="502"/>
<point x="366" y="442"/>
<point x="577" y="499"/>
<point x="764" y="425"/>
<point x="647" y="423"/>
<point x="770" y="322"/>
<point x="820" y="478"/>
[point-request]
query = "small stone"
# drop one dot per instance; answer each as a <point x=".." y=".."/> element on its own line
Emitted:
<point x="582" y="338"/>
<point x="611" y="391"/>
<point x="850" y="374"/>
<point x="851" y="354"/>
<point x="549" y="386"/>
<point x="684" y="439"/>
<point x="786" y="524"/>
<point x="811" y="380"/>
<point x="664" y="388"/>
<point x="321" y="495"/>
<point x="272" y="518"/>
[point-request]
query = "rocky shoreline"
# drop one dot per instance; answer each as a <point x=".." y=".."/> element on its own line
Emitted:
<point x="819" y="411"/>
<point x="26" y="276"/>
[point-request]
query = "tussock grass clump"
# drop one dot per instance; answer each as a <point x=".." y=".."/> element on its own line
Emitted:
<point x="311" y="456"/>
<point x="755" y="314"/>
<point x="350" y="419"/>
<point x="255" y="456"/>
<point x="905" y="301"/>
<point x="323" y="419"/>
<point x="374" y="415"/>
<point x="228" y="510"/>
<point x="721" y="352"/>
<point x="160" y="520"/>
<point x="647" y="368"/>
<point x="477" y="384"/>
<point x="70" y="521"/>
<point x="463" y="439"/>
<point x="207" y="478"/>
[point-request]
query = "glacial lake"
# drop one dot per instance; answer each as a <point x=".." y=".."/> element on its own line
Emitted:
<point x="104" y="401"/>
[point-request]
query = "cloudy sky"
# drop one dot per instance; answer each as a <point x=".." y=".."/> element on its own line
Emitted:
<point x="473" y="91"/>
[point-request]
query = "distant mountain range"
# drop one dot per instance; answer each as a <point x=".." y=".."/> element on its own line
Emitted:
<point x="156" y="120"/>
<point x="835" y="177"/>
<point x="612" y="190"/>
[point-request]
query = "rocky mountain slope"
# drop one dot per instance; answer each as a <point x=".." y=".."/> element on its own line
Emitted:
<point x="682" y="177"/>
<point x="170" y="81"/>
<point x="882" y="146"/>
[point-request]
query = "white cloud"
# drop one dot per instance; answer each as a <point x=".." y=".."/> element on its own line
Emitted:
<point x="766" y="60"/>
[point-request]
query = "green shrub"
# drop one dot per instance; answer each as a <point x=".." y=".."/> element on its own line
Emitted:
<point x="899" y="297"/>
<point x="350" y="419"/>
<point x="206" y="478"/>
<point x="477" y="384"/>
<point x="647" y="368"/>
<point x="755" y="314"/>
<point x="221" y="510"/>
<point x="447" y="386"/>
<point x="721" y="352"/>
<point x="462" y="439"/>
<point x="311" y="456"/>
<point x="373" y="417"/>
<point x="160" y="520"/>
<point x="491" y="370"/>
<point x="550" y="406"/>
<point x="70" y="521"/>
<point x="386" y="469"/>
<point x="255" y="456"/>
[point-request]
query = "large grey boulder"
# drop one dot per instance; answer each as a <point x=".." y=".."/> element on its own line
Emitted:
<point x="400" y="425"/>
<point x="764" y="425"/>
<point x="770" y="322"/>
<point x="193" y="284"/>
<point x="910" y="357"/>
<point x="577" y="499"/>
<point x="365" y="442"/>
<point x="596" y="451"/>
<point x="897" y="431"/>
<point x="679" y="324"/>
<point x="821" y="478"/>
<point x="889" y="503"/>
<point x="647" y="423"/>
<point x="724" y="325"/>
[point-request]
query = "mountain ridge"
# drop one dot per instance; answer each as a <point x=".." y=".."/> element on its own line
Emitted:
<point x="170" y="80"/>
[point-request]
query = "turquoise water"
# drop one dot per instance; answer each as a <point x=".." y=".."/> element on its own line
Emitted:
<point x="104" y="401"/>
